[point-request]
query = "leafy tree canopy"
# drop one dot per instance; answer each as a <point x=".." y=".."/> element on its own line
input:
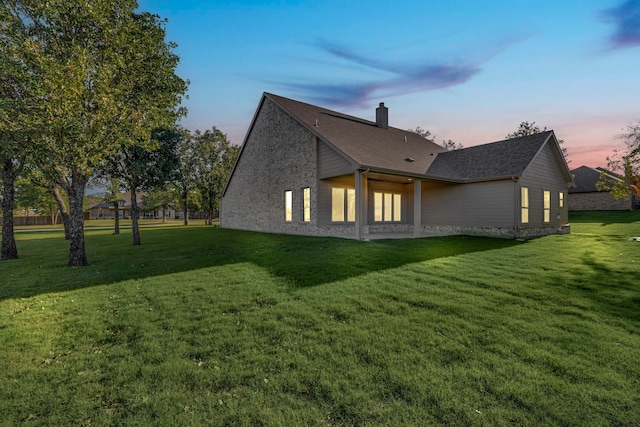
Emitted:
<point x="86" y="78"/>
<point x="626" y="164"/>
<point x="426" y="134"/>
<point x="526" y="129"/>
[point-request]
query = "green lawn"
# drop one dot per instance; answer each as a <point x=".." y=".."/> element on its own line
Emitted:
<point x="202" y="325"/>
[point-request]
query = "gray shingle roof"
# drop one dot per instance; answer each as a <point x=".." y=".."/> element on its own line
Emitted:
<point x="586" y="179"/>
<point x="362" y="141"/>
<point x="387" y="150"/>
<point x="508" y="158"/>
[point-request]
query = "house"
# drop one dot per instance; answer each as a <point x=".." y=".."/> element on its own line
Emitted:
<point x="107" y="210"/>
<point x="585" y="196"/>
<point x="304" y="169"/>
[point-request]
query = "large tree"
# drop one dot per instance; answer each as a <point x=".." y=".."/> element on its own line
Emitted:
<point x="626" y="164"/>
<point x="109" y="78"/>
<point x="185" y="182"/>
<point x="526" y="129"/>
<point x="145" y="169"/>
<point x="213" y="162"/>
<point x="21" y="96"/>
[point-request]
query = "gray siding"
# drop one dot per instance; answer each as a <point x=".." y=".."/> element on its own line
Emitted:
<point x="330" y="163"/>
<point x="544" y="173"/>
<point x="483" y="204"/>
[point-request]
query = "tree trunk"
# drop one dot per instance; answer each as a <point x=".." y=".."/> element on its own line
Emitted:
<point x="64" y="212"/>
<point x="164" y="215"/>
<point x="77" y="252"/>
<point x="186" y="208"/>
<point x="9" y="248"/>
<point x="116" y="222"/>
<point x="135" y="231"/>
<point x="210" y="213"/>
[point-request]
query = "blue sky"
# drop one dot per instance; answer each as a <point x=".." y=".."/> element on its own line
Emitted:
<point x="469" y="71"/>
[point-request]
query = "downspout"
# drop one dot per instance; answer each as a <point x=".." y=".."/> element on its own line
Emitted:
<point x="516" y="187"/>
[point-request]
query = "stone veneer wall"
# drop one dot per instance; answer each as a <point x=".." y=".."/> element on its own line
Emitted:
<point x="597" y="201"/>
<point x="503" y="232"/>
<point x="279" y="155"/>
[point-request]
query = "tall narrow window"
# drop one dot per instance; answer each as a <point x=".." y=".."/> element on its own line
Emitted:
<point x="547" y="206"/>
<point x="524" y="205"/>
<point x="397" y="207"/>
<point x="337" y="204"/>
<point x="288" y="205"/>
<point x="388" y="197"/>
<point x="387" y="207"/>
<point x="561" y="199"/>
<point x="306" y="204"/>
<point x="351" y="204"/>
<point x="377" y="206"/>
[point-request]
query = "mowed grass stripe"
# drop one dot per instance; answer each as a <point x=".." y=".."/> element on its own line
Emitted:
<point x="233" y="328"/>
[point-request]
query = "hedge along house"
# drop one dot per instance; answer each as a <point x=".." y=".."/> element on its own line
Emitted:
<point x="306" y="170"/>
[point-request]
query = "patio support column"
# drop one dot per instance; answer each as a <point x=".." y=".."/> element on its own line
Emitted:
<point x="417" y="207"/>
<point x="359" y="205"/>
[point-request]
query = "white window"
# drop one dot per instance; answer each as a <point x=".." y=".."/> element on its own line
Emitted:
<point x="397" y="207"/>
<point x="288" y="205"/>
<point x="306" y="204"/>
<point x="351" y="204"/>
<point x="524" y="205"/>
<point x="561" y="199"/>
<point x="547" y="206"/>
<point x="387" y="207"/>
<point x="377" y="206"/>
<point x="343" y="204"/>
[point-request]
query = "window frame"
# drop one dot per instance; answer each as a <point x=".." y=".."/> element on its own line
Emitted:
<point x="306" y="204"/>
<point x="546" y="206"/>
<point x="347" y="207"/>
<point x="288" y="206"/>
<point x="524" y="205"/>
<point x="387" y="207"/>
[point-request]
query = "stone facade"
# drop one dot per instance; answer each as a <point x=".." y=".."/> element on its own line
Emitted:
<point x="501" y="232"/>
<point x="279" y="155"/>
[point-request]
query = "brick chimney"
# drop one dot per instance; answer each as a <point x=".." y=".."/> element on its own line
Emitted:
<point x="382" y="116"/>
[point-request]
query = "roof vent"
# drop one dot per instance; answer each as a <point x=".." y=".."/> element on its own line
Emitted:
<point x="410" y="160"/>
<point x="316" y="123"/>
<point x="382" y="116"/>
<point x="405" y="138"/>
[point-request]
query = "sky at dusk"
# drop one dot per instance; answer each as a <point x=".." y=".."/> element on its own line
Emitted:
<point x="469" y="71"/>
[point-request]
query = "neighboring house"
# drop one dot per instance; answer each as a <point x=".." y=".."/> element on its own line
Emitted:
<point x="303" y="169"/>
<point x="106" y="210"/>
<point x="585" y="196"/>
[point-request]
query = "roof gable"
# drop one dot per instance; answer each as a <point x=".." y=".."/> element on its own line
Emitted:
<point x="361" y="141"/>
<point x="586" y="179"/>
<point x="501" y="159"/>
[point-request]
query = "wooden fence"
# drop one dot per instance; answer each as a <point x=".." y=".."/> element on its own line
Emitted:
<point x="32" y="220"/>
